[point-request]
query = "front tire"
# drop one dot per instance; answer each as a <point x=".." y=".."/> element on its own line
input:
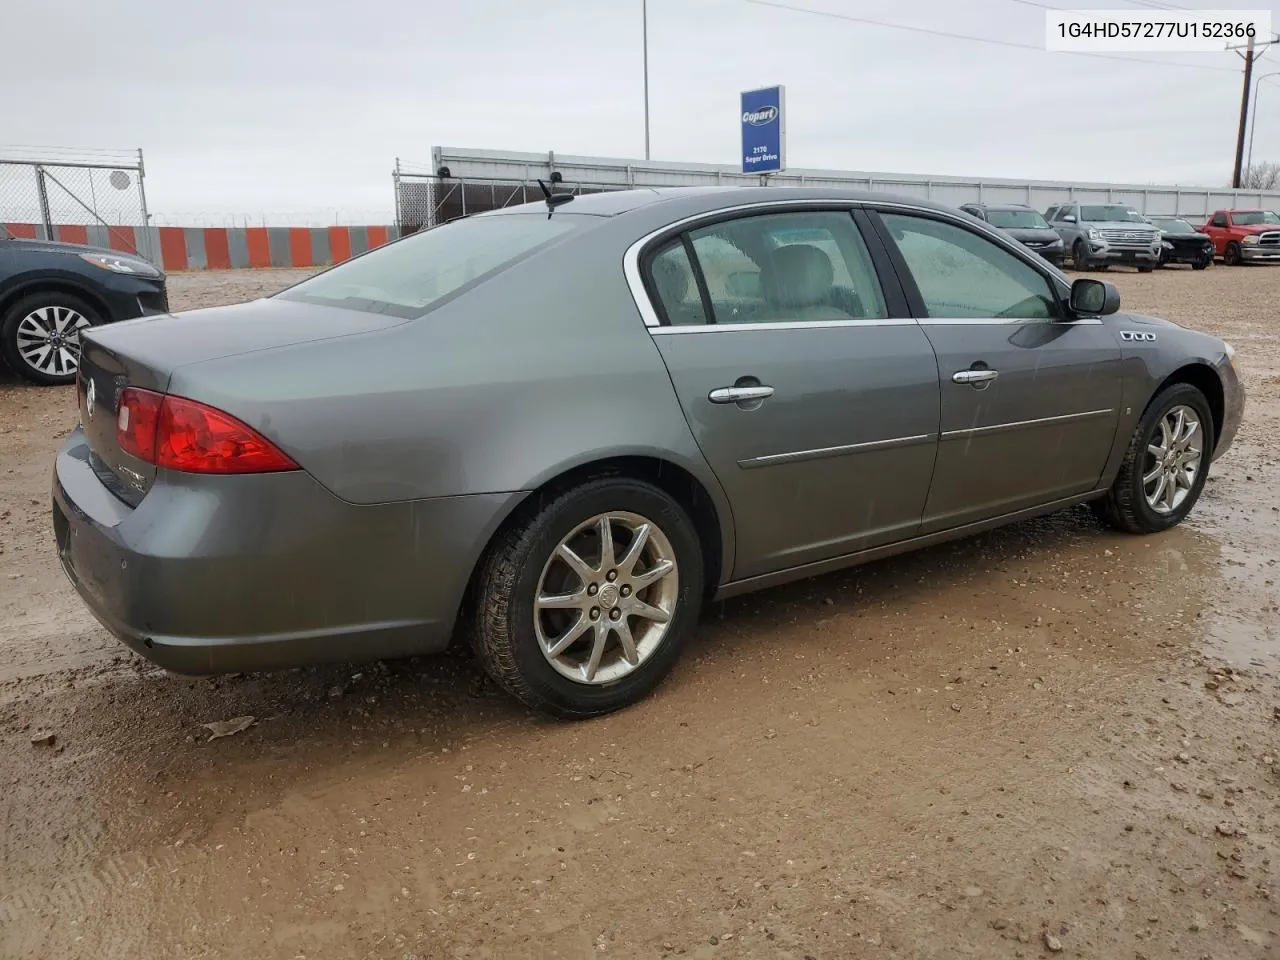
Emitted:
<point x="583" y="606"/>
<point x="1202" y="265"/>
<point x="1166" y="465"/>
<point x="40" y="336"/>
<point x="1233" y="257"/>
<point x="1080" y="255"/>
<point x="1146" y="267"/>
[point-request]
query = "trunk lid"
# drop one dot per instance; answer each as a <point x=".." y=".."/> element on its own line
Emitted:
<point x="145" y="352"/>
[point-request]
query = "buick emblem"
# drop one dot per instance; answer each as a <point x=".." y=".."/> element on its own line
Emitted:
<point x="90" y="398"/>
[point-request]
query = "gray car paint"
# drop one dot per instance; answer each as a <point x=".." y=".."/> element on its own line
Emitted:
<point x="418" y="439"/>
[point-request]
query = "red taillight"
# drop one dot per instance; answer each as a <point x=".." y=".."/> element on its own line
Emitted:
<point x="136" y="423"/>
<point x="181" y="434"/>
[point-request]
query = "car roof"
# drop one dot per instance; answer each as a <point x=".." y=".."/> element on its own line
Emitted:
<point x="1003" y="206"/>
<point x="697" y="200"/>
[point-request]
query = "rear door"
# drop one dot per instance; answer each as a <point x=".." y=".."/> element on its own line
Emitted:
<point x="1030" y="398"/>
<point x="810" y="391"/>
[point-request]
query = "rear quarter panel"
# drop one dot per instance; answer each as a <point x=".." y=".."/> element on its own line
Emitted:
<point x="544" y="368"/>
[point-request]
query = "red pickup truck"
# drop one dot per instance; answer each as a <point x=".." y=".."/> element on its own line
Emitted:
<point x="1241" y="235"/>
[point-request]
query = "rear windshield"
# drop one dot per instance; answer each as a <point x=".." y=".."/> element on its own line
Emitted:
<point x="1016" y="220"/>
<point x="1111" y="212"/>
<point x="409" y="276"/>
<point x="1175" y="226"/>
<point x="1253" y="218"/>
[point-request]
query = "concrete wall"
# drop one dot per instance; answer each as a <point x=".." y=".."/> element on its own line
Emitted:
<point x="221" y="248"/>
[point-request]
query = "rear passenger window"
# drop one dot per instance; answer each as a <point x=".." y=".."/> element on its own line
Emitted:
<point x="675" y="286"/>
<point x="788" y="267"/>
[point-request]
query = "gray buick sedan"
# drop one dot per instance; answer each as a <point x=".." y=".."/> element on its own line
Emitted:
<point x="558" y="429"/>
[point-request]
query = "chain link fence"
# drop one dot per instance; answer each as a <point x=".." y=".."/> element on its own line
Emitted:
<point x="89" y="197"/>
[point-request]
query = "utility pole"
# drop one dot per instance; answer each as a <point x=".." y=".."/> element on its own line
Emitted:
<point x="644" y="15"/>
<point x="1250" y="55"/>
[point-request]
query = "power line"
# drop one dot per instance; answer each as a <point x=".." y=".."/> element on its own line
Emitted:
<point x="867" y="21"/>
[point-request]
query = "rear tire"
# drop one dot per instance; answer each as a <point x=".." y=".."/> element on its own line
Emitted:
<point x="517" y="639"/>
<point x="39" y="336"/>
<point x="1127" y="505"/>
<point x="1233" y="256"/>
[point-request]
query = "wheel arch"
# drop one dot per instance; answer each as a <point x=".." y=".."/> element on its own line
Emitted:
<point x="706" y="507"/>
<point x="32" y="285"/>
<point x="1205" y="379"/>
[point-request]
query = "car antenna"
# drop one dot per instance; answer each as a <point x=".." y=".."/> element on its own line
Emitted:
<point x="553" y="200"/>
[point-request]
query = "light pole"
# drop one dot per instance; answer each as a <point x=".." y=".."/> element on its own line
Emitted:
<point x="644" y="15"/>
<point x="1253" y="120"/>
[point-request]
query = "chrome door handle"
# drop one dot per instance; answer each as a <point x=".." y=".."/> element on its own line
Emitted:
<point x="974" y="376"/>
<point x="739" y="394"/>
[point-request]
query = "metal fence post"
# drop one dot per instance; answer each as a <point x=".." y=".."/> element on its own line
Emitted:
<point x="395" y="181"/>
<point x="152" y="254"/>
<point x="42" y="191"/>
<point x="462" y="185"/>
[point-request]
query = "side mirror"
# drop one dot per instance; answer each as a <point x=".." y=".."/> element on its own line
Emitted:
<point x="1068" y="219"/>
<point x="1094" y="298"/>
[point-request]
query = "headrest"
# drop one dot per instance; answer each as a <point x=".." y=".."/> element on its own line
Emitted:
<point x="799" y="275"/>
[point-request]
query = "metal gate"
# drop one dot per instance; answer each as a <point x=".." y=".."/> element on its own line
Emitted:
<point x="90" y="197"/>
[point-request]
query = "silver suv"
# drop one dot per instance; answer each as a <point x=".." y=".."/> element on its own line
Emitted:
<point x="1100" y="234"/>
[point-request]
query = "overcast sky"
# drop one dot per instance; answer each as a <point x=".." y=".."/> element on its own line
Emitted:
<point x="299" y="107"/>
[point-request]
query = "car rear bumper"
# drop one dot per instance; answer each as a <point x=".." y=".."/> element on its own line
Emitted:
<point x="221" y="574"/>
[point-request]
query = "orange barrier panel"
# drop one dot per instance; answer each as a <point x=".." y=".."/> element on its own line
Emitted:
<point x="339" y="244"/>
<point x="173" y="248"/>
<point x="72" y="233"/>
<point x="217" y="249"/>
<point x="300" y="246"/>
<point x="259" y="246"/>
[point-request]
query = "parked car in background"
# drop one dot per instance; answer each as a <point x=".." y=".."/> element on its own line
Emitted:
<point x="1180" y="242"/>
<point x="698" y="393"/>
<point x="50" y="292"/>
<point x="1025" y="225"/>
<point x="1100" y="234"/>
<point x="1240" y="236"/>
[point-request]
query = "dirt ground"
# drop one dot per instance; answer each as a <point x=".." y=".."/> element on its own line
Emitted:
<point x="1049" y="740"/>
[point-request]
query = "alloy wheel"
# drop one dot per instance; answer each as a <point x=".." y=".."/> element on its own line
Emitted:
<point x="1173" y="460"/>
<point x="48" y="340"/>
<point x="606" y="598"/>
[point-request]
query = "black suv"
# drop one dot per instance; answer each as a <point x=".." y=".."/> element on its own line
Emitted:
<point x="49" y="291"/>
<point x="1024" y="225"/>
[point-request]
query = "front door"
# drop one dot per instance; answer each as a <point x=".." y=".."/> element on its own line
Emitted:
<point x="810" y="392"/>
<point x="1030" y="398"/>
